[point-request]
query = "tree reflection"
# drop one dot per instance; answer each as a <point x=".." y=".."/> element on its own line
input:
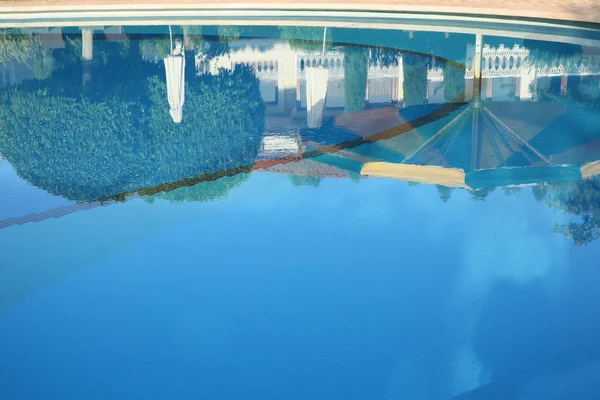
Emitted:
<point x="306" y="38"/>
<point x="579" y="199"/>
<point x="202" y="192"/>
<point x="454" y="83"/>
<point x="356" y="64"/>
<point x="114" y="135"/>
<point x="415" y="79"/>
<point x="444" y="192"/>
<point x="15" y="46"/>
<point x="298" y="180"/>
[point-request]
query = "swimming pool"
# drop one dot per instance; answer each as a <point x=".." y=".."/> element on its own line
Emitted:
<point x="267" y="212"/>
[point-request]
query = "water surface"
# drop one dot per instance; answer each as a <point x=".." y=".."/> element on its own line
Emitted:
<point x="336" y="214"/>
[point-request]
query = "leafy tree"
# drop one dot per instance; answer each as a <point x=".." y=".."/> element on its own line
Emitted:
<point x="580" y="199"/>
<point x="228" y="33"/>
<point x="86" y="148"/>
<point x="385" y="57"/>
<point x="192" y="37"/>
<point x="581" y="90"/>
<point x="549" y="53"/>
<point x="155" y="50"/>
<point x="434" y="44"/>
<point x="415" y="80"/>
<point x="221" y="33"/>
<point x="587" y="92"/>
<point x="306" y="37"/>
<point x="511" y="190"/>
<point x="202" y="192"/>
<point x="298" y="180"/>
<point x="540" y="192"/>
<point x="481" y="194"/>
<point x="584" y="90"/>
<point x="454" y="83"/>
<point x="15" y="46"/>
<point x="444" y="192"/>
<point x="356" y="64"/>
<point x="43" y="64"/>
<point x="105" y="51"/>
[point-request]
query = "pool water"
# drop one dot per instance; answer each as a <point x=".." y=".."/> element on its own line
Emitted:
<point x="264" y="212"/>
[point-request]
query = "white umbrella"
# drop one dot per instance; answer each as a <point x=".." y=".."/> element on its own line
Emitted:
<point x="175" y="71"/>
<point x="316" y="91"/>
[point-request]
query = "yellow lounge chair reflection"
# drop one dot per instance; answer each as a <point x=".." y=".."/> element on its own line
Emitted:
<point x="451" y="177"/>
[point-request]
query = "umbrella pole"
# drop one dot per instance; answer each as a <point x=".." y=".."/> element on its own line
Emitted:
<point x="323" y="51"/>
<point x="171" y="38"/>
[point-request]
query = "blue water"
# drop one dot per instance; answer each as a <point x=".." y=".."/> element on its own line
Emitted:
<point x="145" y="259"/>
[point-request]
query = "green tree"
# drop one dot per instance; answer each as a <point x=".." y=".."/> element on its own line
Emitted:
<point x="15" y="46"/>
<point x="454" y="83"/>
<point x="154" y="50"/>
<point x="415" y="80"/>
<point x="444" y="192"/>
<point x="511" y="190"/>
<point x="356" y="64"/>
<point x="579" y="199"/>
<point x="306" y="37"/>
<point x="201" y="192"/>
<point x="298" y="180"/>
<point x="385" y="57"/>
<point x="481" y="194"/>
<point x="43" y="64"/>
<point x="87" y="148"/>
<point x="221" y="33"/>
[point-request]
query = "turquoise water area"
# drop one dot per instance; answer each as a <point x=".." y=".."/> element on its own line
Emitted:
<point x="263" y="212"/>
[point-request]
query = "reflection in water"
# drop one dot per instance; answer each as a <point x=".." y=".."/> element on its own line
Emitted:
<point x="113" y="135"/>
<point x="91" y="116"/>
<point x="110" y="127"/>
<point x="581" y="199"/>
<point x="100" y="137"/>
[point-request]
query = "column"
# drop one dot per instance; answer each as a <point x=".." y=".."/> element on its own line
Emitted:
<point x="400" y="81"/>
<point x="477" y="66"/>
<point x="287" y="74"/>
<point x="87" y="44"/>
<point x="563" y="85"/>
<point x="526" y="83"/>
<point x="489" y="88"/>
<point x="287" y="78"/>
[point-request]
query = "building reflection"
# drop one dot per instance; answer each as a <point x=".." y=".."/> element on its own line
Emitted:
<point x="507" y="115"/>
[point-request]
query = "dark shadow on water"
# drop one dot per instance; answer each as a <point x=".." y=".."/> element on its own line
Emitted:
<point x="526" y="333"/>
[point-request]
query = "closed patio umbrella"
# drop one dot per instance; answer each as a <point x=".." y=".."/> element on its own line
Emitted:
<point x="493" y="144"/>
<point x="175" y="72"/>
<point x="316" y="91"/>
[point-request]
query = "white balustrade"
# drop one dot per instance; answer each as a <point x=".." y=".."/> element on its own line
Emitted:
<point x="333" y="60"/>
<point x="435" y="74"/>
<point x="496" y="62"/>
<point x="514" y="62"/>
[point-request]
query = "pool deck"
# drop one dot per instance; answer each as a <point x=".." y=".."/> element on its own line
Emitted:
<point x="566" y="10"/>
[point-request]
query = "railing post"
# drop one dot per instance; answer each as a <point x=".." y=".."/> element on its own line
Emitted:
<point x="477" y="66"/>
